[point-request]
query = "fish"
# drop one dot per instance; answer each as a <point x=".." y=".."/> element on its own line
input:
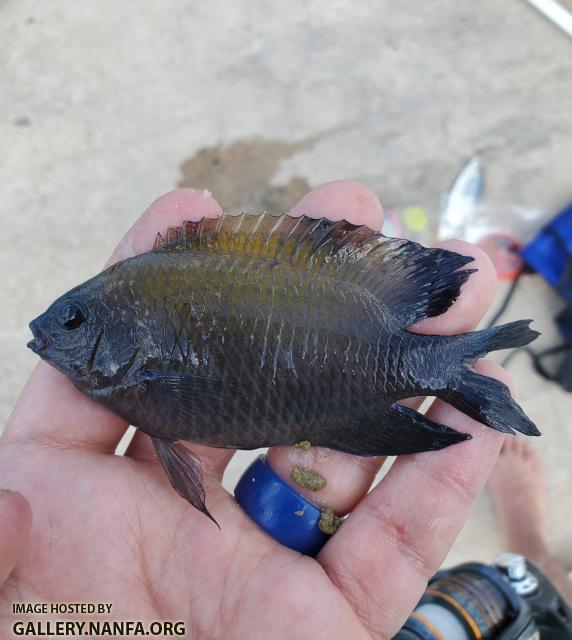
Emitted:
<point x="257" y="330"/>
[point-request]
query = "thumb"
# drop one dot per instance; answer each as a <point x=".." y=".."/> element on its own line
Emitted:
<point x="15" y="523"/>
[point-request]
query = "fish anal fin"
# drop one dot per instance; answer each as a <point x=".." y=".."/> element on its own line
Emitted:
<point x="396" y="431"/>
<point x="184" y="470"/>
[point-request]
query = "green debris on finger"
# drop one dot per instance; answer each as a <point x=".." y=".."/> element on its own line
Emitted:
<point x="329" y="522"/>
<point x="308" y="479"/>
<point x="305" y="445"/>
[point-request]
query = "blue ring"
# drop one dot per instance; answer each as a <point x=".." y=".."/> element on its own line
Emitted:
<point x="274" y="505"/>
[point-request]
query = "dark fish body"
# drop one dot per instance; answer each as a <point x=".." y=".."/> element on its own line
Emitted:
<point x="265" y="356"/>
<point x="252" y="331"/>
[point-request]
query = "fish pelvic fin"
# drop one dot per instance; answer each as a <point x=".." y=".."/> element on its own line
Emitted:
<point x="411" y="281"/>
<point x="489" y="401"/>
<point x="398" y="430"/>
<point x="184" y="470"/>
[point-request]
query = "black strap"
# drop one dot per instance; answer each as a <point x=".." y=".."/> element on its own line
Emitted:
<point x="536" y="357"/>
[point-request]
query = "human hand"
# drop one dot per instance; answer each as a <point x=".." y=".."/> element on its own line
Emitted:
<point x="108" y="528"/>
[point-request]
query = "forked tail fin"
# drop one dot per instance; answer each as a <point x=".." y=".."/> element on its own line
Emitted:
<point x="486" y="399"/>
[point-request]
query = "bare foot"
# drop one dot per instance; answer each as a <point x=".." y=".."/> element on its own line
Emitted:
<point x="519" y="498"/>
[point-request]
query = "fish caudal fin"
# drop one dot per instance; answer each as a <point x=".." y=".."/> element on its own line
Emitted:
<point x="488" y="401"/>
<point x="397" y="431"/>
<point x="506" y="336"/>
<point x="184" y="470"/>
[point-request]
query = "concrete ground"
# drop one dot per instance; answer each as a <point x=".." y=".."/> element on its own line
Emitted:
<point x="104" y="106"/>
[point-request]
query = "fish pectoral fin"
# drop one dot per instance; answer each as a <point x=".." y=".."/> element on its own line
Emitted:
<point x="395" y="431"/>
<point x="188" y="394"/>
<point x="184" y="470"/>
<point x="182" y="379"/>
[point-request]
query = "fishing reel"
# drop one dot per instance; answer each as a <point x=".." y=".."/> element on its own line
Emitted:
<point x="510" y="600"/>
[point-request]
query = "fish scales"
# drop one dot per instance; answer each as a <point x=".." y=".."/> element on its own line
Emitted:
<point x="277" y="315"/>
<point x="252" y="331"/>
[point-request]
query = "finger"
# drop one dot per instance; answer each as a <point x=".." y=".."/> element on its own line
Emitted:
<point x="15" y="523"/>
<point x="400" y="533"/>
<point x="348" y="478"/>
<point x="342" y="200"/>
<point x="50" y="408"/>
<point x="169" y="210"/>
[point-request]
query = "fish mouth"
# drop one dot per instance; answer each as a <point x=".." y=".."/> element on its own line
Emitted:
<point x="41" y="340"/>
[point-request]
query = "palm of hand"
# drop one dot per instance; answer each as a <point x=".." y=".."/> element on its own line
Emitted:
<point x="111" y="530"/>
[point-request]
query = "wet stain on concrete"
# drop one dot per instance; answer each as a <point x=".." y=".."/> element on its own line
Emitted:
<point x="240" y="175"/>
<point x="22" y="121"/>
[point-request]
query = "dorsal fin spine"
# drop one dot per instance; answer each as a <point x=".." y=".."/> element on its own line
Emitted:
<point x="274" y="229"/>
<point x="200" y="225"/>
<point x="294" y="228"/>
<point x="237" y="224"/>
<point x="159" y="242"/>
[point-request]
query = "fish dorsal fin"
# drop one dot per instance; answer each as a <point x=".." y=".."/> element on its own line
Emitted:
<point x="301" y="239"/>
<point x="411" y="281"/>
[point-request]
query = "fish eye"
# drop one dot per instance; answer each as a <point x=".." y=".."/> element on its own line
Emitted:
<point x="71" y="315"/>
